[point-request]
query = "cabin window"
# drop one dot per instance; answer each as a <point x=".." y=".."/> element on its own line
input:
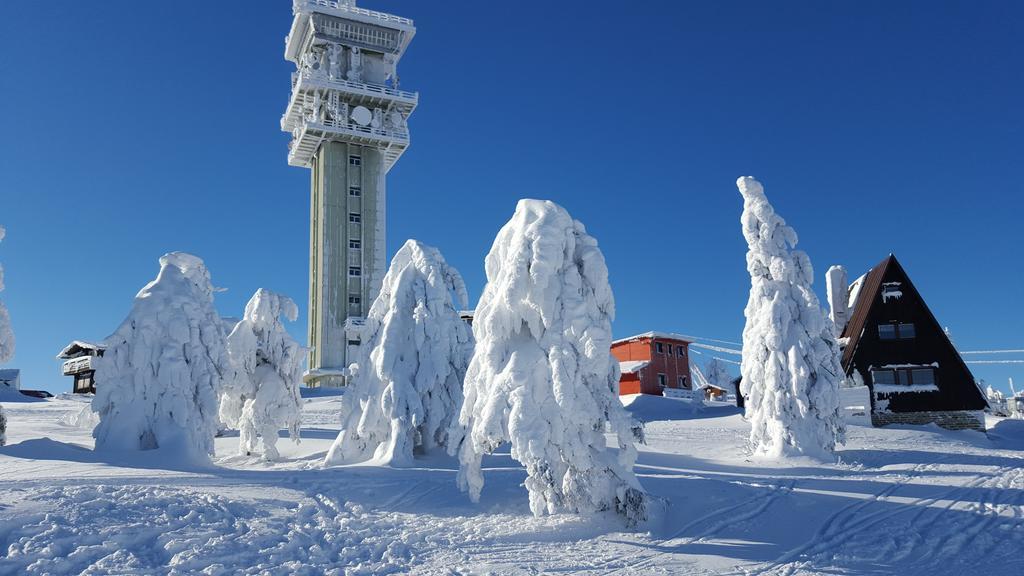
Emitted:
<point x="682" y="381"/>
<point x="887" y="331"/>
<point x="661" y="380"/>
<point x="906" y="331"/>
<point x="355" y="191"/>
<point x="922" y="376"/>
<point x="355" y="160"/>
<point x="897" y="331"/>
<point x="354" y="271"/>
<point x="887" y="377"/>
<point x="659" y="347"/>
<point x="681" y="351"/>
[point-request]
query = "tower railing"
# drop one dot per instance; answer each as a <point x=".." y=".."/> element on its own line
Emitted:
<point x="341" y="83"/>
<point x="307" y="5"/>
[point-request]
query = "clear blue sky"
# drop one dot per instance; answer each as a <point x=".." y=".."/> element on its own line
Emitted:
<point x="137" y="128"/>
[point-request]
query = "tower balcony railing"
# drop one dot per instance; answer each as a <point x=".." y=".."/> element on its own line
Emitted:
<point x="311" y="133"/>
<point x="342" y="6"/>
<point x="330" y="125"/>
<point x="356" y="87"/>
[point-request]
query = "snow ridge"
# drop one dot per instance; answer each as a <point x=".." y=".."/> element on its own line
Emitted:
<point x="407" y="387"/>
<point x="791" y="368"/>
<point x="163" y="367"/>
<point x="542" y="376"/>
<point x="265" y="396"/>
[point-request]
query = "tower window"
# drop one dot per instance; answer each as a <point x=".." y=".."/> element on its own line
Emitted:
<point x="355" y="300"/>
<point x="354" y="218"/>
<point x="354" y="271"/>
<point x="354" y="342"/>
<point x="681" y="351"/>
<point x="355" y="160"/>
<point x="355" y="191"/>
<point x="355" y="244"/>
<point x="659" y="347"/>
<point x="661" y="380"/>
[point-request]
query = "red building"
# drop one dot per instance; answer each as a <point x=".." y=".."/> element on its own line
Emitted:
<point x="653" y="361"/>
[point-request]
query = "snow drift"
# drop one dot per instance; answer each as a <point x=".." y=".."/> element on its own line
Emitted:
<point x="407" y="390"/>
<point x="791" y="369"/>
<point x="264" y="397"/>
<point x="542" y="376"/>
<point x="163" y="367"/>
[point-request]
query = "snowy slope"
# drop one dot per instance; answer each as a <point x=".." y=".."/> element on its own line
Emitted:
<point x="906" y="501"/>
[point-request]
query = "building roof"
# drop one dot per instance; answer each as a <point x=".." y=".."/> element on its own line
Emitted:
<point x="655" y="336"/>
<point x="633" y="366"/>
<point x="77" y="348"/>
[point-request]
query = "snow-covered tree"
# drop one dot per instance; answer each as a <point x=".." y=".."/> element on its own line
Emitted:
<point x="264" y="398"/>
<point x="543" y="377"/>
<point x="407" y="390"/>
<point x="791" y="369"/>
<point x="717" y="374"/>
<point x="3" y="427"/>
<point x="6" y="334"/>
<point x="160" y="375"/>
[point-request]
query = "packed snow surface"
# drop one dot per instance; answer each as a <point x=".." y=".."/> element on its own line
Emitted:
<point x="407" y="390"/>
<point x="163" y="367"/>
<point x="910" y="501"/>
<point x="791" y="368"/>
<point x="542" y="376"/>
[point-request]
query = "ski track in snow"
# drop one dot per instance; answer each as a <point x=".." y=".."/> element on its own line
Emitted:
<point x="908" y="501"/>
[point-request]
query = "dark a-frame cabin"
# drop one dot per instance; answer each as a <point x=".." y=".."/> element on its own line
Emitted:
<point x="894" y="344"/>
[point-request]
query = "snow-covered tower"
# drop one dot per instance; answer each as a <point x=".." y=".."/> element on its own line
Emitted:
<point x="347" y="117"/>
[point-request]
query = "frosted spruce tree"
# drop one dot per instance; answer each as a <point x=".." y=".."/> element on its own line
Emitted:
<point x="791" y="371"/>
<point x="717" y="374"/>
<point x="6" y="334"/>
<point x="6" y="343"/>
<point x="162" y="369"/>
<point x="543" y="377"/>
<point x="264" y="398"/>
<point x="407" y="390"/>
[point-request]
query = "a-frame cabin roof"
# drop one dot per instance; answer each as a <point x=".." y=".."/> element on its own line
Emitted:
<point x="932" y="343"/>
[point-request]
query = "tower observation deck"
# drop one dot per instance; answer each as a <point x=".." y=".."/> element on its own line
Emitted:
<point x="348" y="121"/>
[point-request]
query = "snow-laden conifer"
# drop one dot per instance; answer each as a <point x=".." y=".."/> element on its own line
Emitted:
<point x="791" y="370"/>
<point x="407" y="389"/>
<point x="543" y="377"/>
<point x="6" y="334"/>
<point x="717" y="374"/>
<point x="3" y="427"/>
<point x="159" y="378"/>
<point x="264" y="398"/>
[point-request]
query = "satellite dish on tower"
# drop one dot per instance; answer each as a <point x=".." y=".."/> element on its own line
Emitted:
<point x="361" y="115"/>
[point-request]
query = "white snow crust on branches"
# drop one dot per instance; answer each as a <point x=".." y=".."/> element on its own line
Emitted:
<point x="407" y="390"/>
<point x="543" y="377"/>
<point x="264" y="398"/>
<point x="791" y="369"/>
<point x="160" y="375"/>
<point x="3" y="427"/>
<point x="717" y="374"/>
<point x="6" y="334"/>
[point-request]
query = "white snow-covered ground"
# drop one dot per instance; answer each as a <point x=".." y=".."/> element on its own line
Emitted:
<point x="902" y="501"/>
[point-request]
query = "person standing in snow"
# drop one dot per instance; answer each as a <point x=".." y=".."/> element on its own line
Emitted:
<point x="264" y="398"/>
<point x="791" y="370"/>
<point x="543" y="377"/>
<point x="163" y="368"/>
<point x="407" y="386"/>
